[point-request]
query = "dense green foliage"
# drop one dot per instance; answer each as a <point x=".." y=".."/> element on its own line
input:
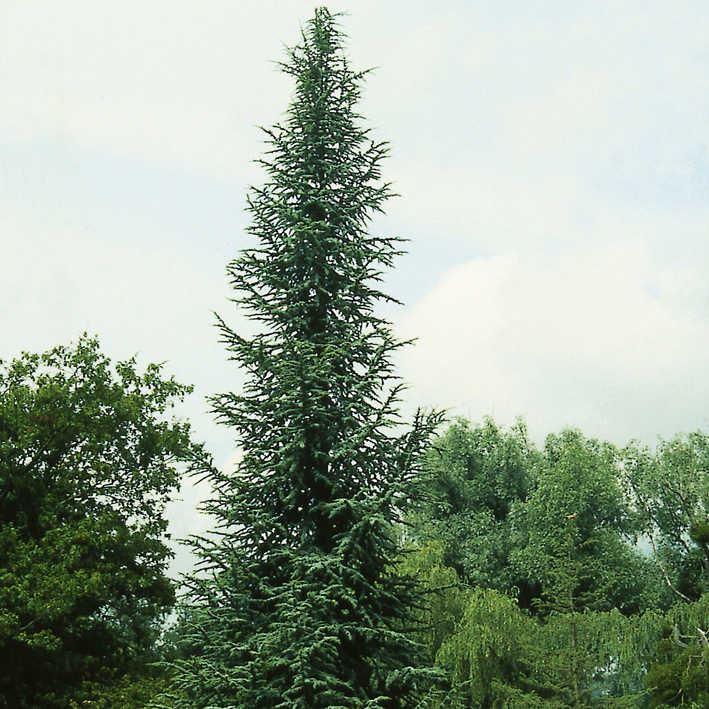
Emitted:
<point x="568" y="607"/>
<point x="300" y="603"/>
<point x="679" y="673"/>
<point x="573" y="536"/>
<point x="670" y="491"/>
<point x="474" y="478"/>
<point x="87" y="462"/>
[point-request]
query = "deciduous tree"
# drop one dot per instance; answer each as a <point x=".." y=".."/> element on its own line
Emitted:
<point x="88" y="459"/>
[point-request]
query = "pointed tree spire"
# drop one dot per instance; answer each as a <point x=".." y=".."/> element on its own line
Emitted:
<point x="299" y="603"/>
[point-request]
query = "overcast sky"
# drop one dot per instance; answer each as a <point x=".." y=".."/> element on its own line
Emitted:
<point x="552" y="160"/>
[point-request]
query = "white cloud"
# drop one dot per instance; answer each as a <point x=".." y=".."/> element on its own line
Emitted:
<point x="598" y="340"/>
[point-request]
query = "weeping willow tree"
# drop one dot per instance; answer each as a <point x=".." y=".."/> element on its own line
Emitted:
<point x="298" y="603"/>
<point x="500" y="656"/>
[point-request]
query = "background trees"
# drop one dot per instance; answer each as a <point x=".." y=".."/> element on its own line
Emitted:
<point x="474" y="477"/>
<point x="575" y="535"/>
<point x="670" y="491"/>
<point x="87" y="462"/>
<point x="551" y="595"/>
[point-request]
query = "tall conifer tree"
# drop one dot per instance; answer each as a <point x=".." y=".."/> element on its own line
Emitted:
<point x="301" y="605"/>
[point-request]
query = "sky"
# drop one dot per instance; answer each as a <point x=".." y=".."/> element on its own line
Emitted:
<point x="552" y="161"/>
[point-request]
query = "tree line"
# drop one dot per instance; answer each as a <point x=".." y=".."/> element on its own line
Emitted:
<point x="357" y="559"/>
